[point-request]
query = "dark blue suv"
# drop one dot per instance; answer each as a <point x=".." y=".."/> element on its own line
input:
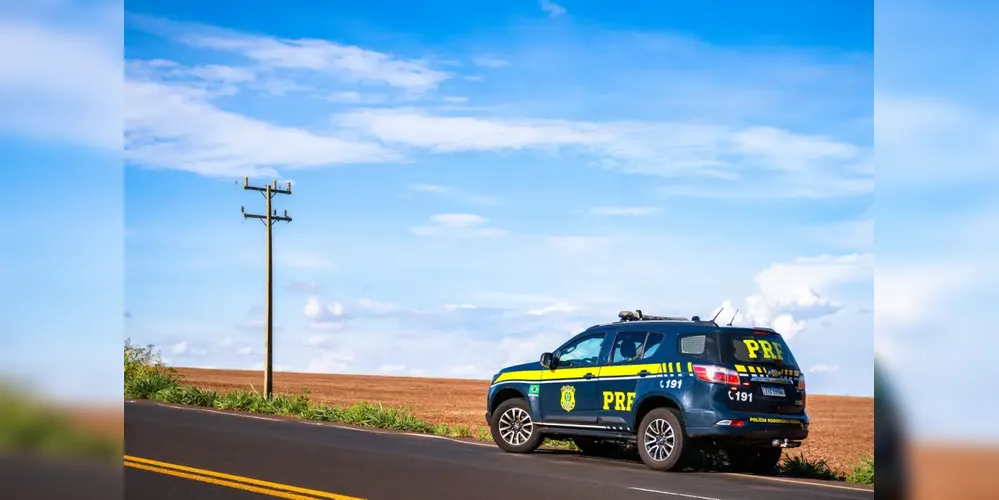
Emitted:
<point x="661" y="384"/>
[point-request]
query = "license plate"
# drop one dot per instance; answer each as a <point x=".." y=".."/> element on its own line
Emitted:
<point x="773" y="391"/>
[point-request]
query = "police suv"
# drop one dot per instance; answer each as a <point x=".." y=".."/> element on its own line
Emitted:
<point x="660" y="384"/>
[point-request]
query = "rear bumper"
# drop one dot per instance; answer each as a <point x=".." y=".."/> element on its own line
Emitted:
<point x="489" y="418"/>
<point x="763" y="428"/>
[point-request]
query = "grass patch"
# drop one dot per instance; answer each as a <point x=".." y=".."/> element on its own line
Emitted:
<point x="806" y="468"/>
<point x="862" y="473"/>
<point x="145" y="372"/>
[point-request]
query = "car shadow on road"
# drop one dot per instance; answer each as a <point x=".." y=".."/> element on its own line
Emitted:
<point x="706" y="459"/>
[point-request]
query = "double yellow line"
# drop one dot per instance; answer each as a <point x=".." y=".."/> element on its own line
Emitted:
<point x="231" y="480"/>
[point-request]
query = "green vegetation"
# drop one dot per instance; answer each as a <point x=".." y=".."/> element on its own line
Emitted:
<point x="27" y="426"/>
<point x="146" y="377"/>
<point x="803" y="467"/>
<point x="863" y="472"/>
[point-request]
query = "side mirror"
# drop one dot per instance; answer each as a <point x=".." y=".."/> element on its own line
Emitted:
<point x="547" y="359"/>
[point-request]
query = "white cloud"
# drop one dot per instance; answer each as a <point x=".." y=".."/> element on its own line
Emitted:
<point x="457" y="99"/>
<point x="790" y="294"/>
<point x="458" y="226"/>
<point x="788" y="164"/>
<point x="551" y="8"/>
<point x="453" y="133"/>
<point x="632" y="211"/>
<point x="489" y="62"/>
<point x="173" y="127"/>
<point x="323" y="317"/>
<point x="345" y="62"/>
<point x="450" y="192"/>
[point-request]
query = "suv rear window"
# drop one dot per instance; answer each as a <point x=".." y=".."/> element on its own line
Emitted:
<point x="701" y="346"/>
<point x="759" y="347"/>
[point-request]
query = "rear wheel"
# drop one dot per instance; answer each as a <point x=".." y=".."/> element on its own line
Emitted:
<point x="661" y="439"/>
<point x="512" y="427"/>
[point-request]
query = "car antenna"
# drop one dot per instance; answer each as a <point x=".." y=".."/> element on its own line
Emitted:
<point x="733" y="318"/>
<point x="716" y="316"/>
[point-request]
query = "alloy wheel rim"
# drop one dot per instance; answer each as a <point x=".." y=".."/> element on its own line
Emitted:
<point x="659" y="440"/>
<point x="515" y="426"/>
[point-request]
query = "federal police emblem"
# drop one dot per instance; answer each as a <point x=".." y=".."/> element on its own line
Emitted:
<point x="568" y="397"/>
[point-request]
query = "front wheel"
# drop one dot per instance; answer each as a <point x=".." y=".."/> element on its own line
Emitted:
<point x="661" y="439"/>
<point x="512" y="427"/>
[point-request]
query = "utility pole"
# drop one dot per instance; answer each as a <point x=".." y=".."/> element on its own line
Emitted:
<point x="269" y="219"/>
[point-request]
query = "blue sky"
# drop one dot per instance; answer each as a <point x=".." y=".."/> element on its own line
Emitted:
<point x="473" y="183"/>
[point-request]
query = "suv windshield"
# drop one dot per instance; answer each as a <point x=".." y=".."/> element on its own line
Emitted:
<point x="757" y="346"/>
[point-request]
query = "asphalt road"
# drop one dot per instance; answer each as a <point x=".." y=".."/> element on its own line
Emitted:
<point x="308" y="460"/>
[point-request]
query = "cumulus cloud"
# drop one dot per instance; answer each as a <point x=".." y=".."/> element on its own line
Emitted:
<point x="324" y="316"/>
<point x="788" y="294"/>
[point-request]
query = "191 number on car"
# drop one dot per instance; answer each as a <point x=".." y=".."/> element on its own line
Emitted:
<point x="740" y="396"/>
<point x="673" y="383"/>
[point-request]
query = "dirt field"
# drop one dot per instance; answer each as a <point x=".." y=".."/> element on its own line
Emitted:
<point x="842" y="427"/>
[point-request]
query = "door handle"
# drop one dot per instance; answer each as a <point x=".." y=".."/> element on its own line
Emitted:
<point x="643" y="373"/>
<point x="588" y="376"/>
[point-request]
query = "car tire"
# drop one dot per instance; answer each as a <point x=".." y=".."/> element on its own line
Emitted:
<point x="513" y="429"/>
<point x="661" y="439"/>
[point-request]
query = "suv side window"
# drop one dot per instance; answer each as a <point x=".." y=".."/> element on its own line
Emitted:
<point x="652" y="345"/>
<point x="701" y="346"/>
<point x="635" y="346"/>
<point x="583" y="352"/>
<point x="627" y="347"/>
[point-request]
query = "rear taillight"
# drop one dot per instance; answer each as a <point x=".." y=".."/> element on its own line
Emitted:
<point x="801" y="382"/>
<point x="716" y="374"/>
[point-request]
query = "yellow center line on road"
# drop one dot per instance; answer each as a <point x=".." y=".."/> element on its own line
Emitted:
<point x="231" y="480"/>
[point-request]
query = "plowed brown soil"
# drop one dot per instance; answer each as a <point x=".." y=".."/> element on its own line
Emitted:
<point x="842" y="427"/>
